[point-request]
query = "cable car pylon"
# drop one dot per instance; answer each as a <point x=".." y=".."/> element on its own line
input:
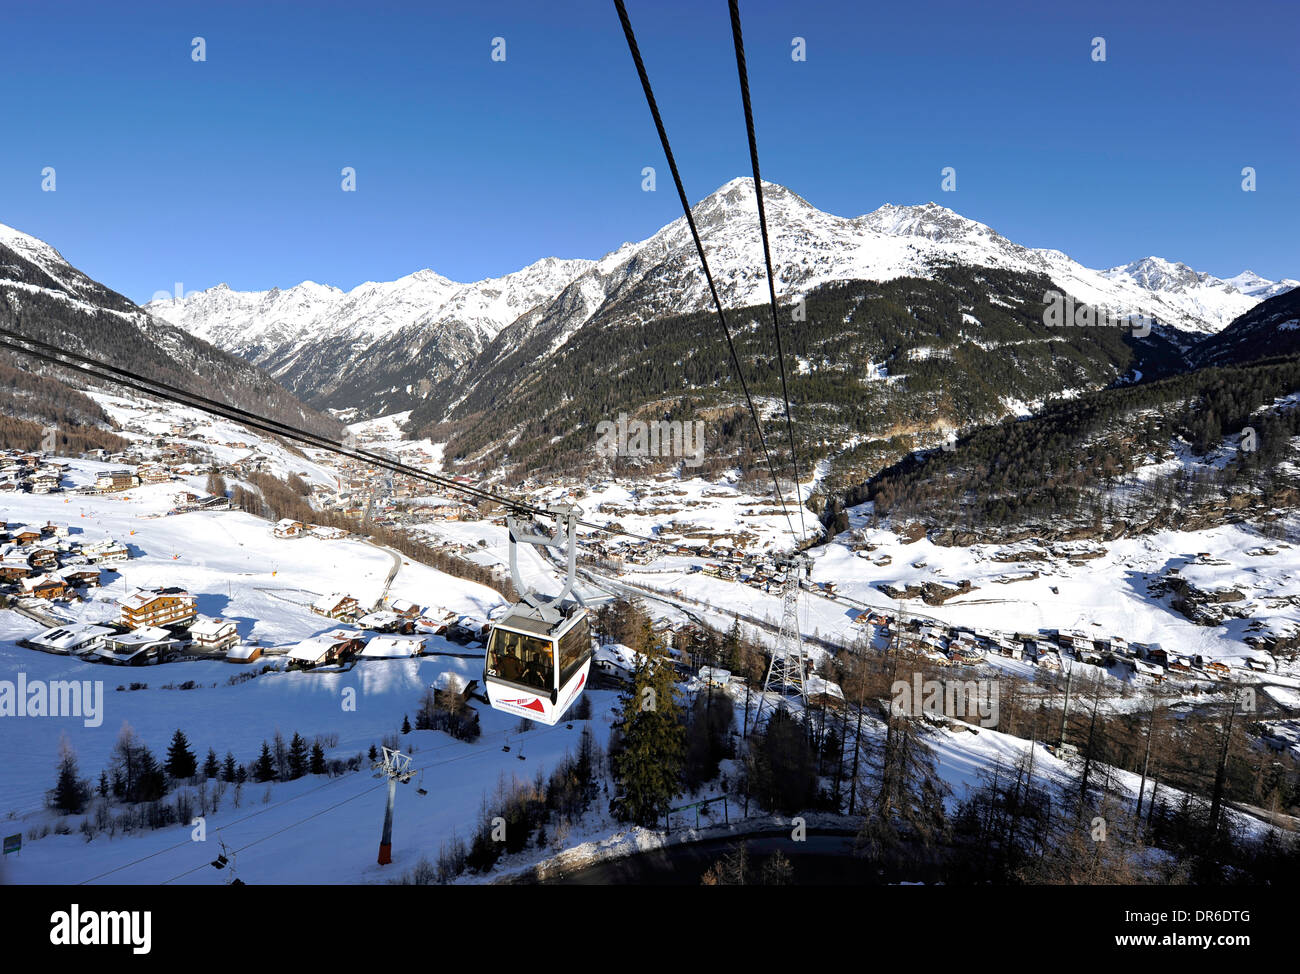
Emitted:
<point x="786" y="674"/>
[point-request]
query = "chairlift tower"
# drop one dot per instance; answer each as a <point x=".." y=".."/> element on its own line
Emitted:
<point x="396" y="766"/>
<point x="786" y="673"/>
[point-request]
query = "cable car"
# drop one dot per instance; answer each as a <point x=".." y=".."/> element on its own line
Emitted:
<point x="539" y="653"/>
<point x="535" y="668"/>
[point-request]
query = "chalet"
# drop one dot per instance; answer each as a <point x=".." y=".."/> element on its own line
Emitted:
<point x="77" y="576"/>
<point x="148" y="644"/>
<point x="158" y="607"/>
<point x="113" y="480"/>
<point x="313" y="651"/>
<point x="42" y="557"/>
<point x="288" y="528"/>
<point x="468" y="629"/>
<point x="209" y="635"/>
<point x="1049" y="661"/>
<point x="45" y="483"/>
<point x="616" y="660"/>
<point x="383" y="620"/>
<point x="1180" y="664"/>
<point x="106" y="551"/>
<point x="27" y="534"/>
<point x="1152" y="670"/>
<point x="965" y="651"/>
<point x="332" y="534"/>
<point x="243" y="653"/>
<point x="328" y="647"/>
<point x="14" y="569"/>
<point x="435" y="621"/>
<point x="45" y="587"/>
<point x="154" y="473"/>
<point x="337" y="606"/>
<point x="1219" y="669"/>
<point x="1144" y="650"/>
<point x="71" y="638"/>
<point x="1009" y="648"/>
<point x="405" y="608"/>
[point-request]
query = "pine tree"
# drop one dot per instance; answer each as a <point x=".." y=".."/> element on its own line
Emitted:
<point x="211" y="768"/>
<point x="181" y="762"/>
<point x="70" y="793"/>
<point x="228" y="769"/>
<point x="153" y="777"/>
<point x="651" y="745"/>
<point x="318" y="765"/>
<point x="297" y="756"/>
<point x="406" y="724"/>
<point x="373" y="754"/>
<point x="264" y="769"/>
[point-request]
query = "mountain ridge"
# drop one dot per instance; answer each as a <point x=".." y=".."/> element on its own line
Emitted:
<point x="368" y="349"/>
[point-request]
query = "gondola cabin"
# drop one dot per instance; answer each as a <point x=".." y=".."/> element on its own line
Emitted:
<point x="534" y="668"/>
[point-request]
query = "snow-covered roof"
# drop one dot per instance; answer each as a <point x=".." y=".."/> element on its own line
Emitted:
<point x="70" y="636"/>
<point x="814" y="685"/>
<point x="619" y="655"/>
<point x="242" y="651"/>
<point x="143" y="596"/>
<point x="377" y="620"/>
<point x="393" y="647"/>
<point x="205" y="626"/>
<point x="328" y="603"/>
<point x="313" y="649"/>
<point x="447" y="680"/>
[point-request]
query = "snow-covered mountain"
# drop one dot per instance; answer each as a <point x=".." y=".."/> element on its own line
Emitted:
<point x="371" y="346"/>
<point x="311" y="335"/>
<point x="1206" y="297"/>
<point x="44" y="297"/>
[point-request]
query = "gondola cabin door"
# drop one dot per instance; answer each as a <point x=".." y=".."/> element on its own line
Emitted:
<point x="536" y="669"/>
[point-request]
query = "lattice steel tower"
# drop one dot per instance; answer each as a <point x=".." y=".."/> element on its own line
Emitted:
<point x="786" y="672"/>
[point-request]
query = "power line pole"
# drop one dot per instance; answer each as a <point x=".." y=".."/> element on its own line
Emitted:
<point x="396" y="766"/>
<point x="786" y="672"/>
<point x="1065" y="710"/>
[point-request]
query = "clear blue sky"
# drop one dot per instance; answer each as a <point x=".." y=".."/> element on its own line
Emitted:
<point x="229" y="170"/>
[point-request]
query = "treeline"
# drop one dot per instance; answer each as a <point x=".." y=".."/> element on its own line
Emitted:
<point x="137" y="782"/>
<point x="944" y="368"/>
<point x="1024" y="825"/>
<point x="1058" y="465"/>
<point x="69" y="440"/>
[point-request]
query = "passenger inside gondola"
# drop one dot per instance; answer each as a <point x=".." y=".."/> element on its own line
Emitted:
<point x="521" y="659"/>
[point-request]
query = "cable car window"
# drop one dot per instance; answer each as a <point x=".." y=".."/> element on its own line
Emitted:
<point x="575" y="645"/>
<point x="521" y="659"/>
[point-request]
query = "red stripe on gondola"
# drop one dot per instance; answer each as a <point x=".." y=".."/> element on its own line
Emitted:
<point x="533" y="704"/>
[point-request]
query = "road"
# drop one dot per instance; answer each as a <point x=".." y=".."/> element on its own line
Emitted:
<point x="824" y="858"/>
